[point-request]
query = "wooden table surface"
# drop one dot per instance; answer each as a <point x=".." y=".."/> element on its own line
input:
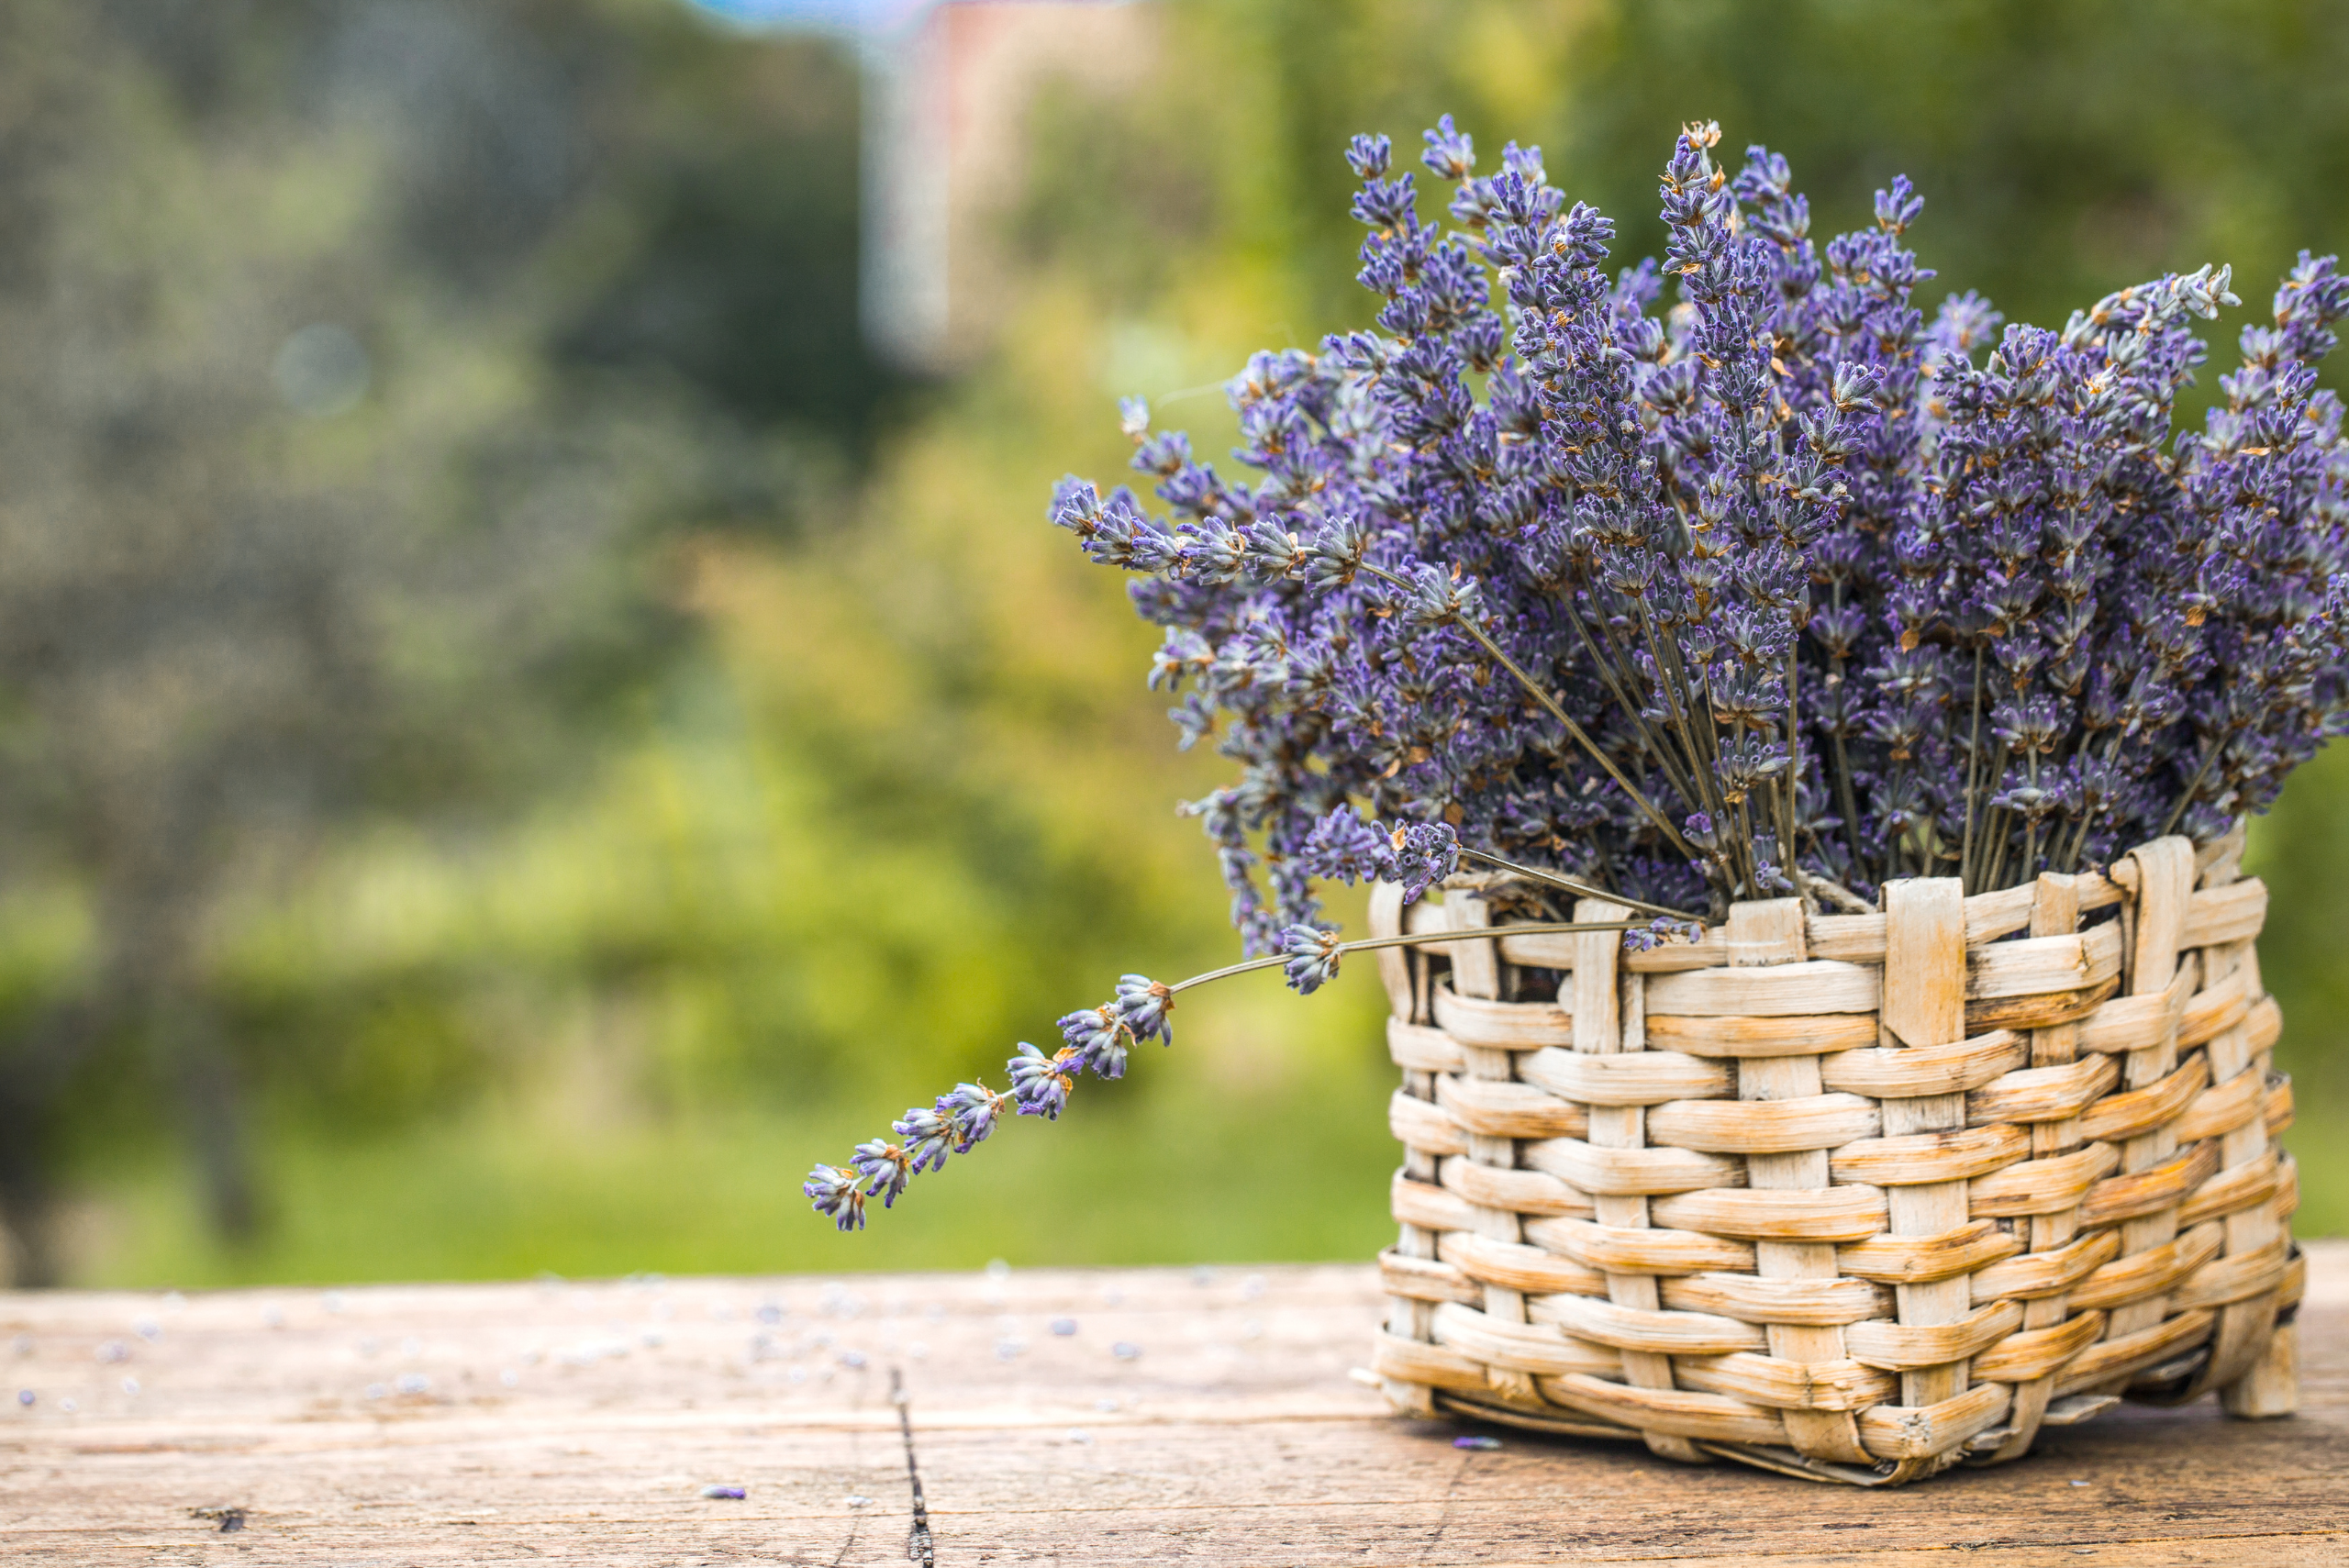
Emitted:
<point x="1062" y="1416"/>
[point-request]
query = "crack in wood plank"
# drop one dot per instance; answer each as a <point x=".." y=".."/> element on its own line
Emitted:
<point x="919" y="1547"/>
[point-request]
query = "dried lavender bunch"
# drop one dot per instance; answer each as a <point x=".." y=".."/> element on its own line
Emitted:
<point x="1774" y="590"/>
<point x="1777" y="588"/>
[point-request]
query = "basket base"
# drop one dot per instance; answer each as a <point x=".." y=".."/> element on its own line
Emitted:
<point x="2272" y="1387"/>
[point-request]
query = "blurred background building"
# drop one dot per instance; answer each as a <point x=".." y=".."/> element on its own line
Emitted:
<point x="946" y="85"/>
<point x="535" y="694"/>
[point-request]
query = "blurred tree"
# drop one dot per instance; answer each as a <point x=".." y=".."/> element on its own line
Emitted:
<point x="323" y="493"/>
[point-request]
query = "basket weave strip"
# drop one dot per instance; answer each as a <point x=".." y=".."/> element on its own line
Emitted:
<point x="1852" y="1197"/>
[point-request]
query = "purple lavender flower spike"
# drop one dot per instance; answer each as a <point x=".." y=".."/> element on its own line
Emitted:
<point x="1142" y="1004"/>
<point x="1313" y="957"/>
<point x="835" y="1194"/>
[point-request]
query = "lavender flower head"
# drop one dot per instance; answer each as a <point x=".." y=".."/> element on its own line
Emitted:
<point x="970" y="1113"/>
<point x="1343" y="847"/>
<point x="1142" y="1004"/>
<point x="1313" y="955"/>
<point x="928" y="1139"/>
<point x="1098" y="1039"/>
<point x="886" y="1168"/>
<point x="837" y="1195"/>
<point x="1041" y="1084"/>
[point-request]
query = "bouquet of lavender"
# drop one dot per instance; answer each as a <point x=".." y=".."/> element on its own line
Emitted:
<point x="1775" y="590"/>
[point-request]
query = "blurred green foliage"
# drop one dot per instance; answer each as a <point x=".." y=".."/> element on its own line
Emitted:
<point x="853" y="780"/>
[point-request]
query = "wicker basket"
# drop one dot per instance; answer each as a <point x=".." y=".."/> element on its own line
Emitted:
<point x="1852" y="1197"/>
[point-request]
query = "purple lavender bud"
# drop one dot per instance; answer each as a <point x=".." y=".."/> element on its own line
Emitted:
<point x="1313" y="957"/>
<point x="1184" y="653"/>
<point x="1438" y="597"/>
<point x="1964" y="324"/>
<point x="1142" y="1004"/>
<point x="1420" y="854"/>
<point x="927" y="1138"/>
<point x="1272" y="552"/>
<point x="1042" y="1083"/>
<point x="835" y="1194"/>
<point x="1165" y="454"/>
<point x="1133" y="417"/>
<point x="970" y="1112"/>
<point x="1343" y="846"/>
<point x="1367" y="156"/>
<point x="1450" y="154"/>
<point x="1896" y="208"/>
<point x="886" y="1168"/>
<point x="1334" y="554"/>
<point x="1857" y="386"/>
<point x="1077" y="506"/>
<point x="1121" y="534"/>
<point x="1099" y="1038"/>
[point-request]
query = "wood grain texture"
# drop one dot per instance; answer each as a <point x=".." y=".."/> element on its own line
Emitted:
<point x="1232" y="1438"/>
<point x="1235" y="1434"/>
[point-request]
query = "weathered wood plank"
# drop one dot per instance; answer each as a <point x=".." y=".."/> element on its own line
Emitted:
<point x="1228" y="1430"/>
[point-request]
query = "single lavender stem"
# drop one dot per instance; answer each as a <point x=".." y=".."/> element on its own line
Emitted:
<point x="1615" y="673"/>
<point x="1973" y="744"/>
<point x="1541" y="929"/>
<point x="1794" y="760"/>
<point x="1842" y="755"/>
<point x="1572" y="886"/>
<point x="1667" y="681"/>
<point x="1990" y="846"/>
<point x="2088" y="820"/>
<point x="1850" y="807"/>
<point x="1742" y="843"/>
<point x="1670" y="675"/>
<point x="2178" y="812"/>
<point x="2030" y="826"/>
<point x="1752" y="870"/>
<point x="1893" y="850"/>
<point x="1997" y="848"/>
